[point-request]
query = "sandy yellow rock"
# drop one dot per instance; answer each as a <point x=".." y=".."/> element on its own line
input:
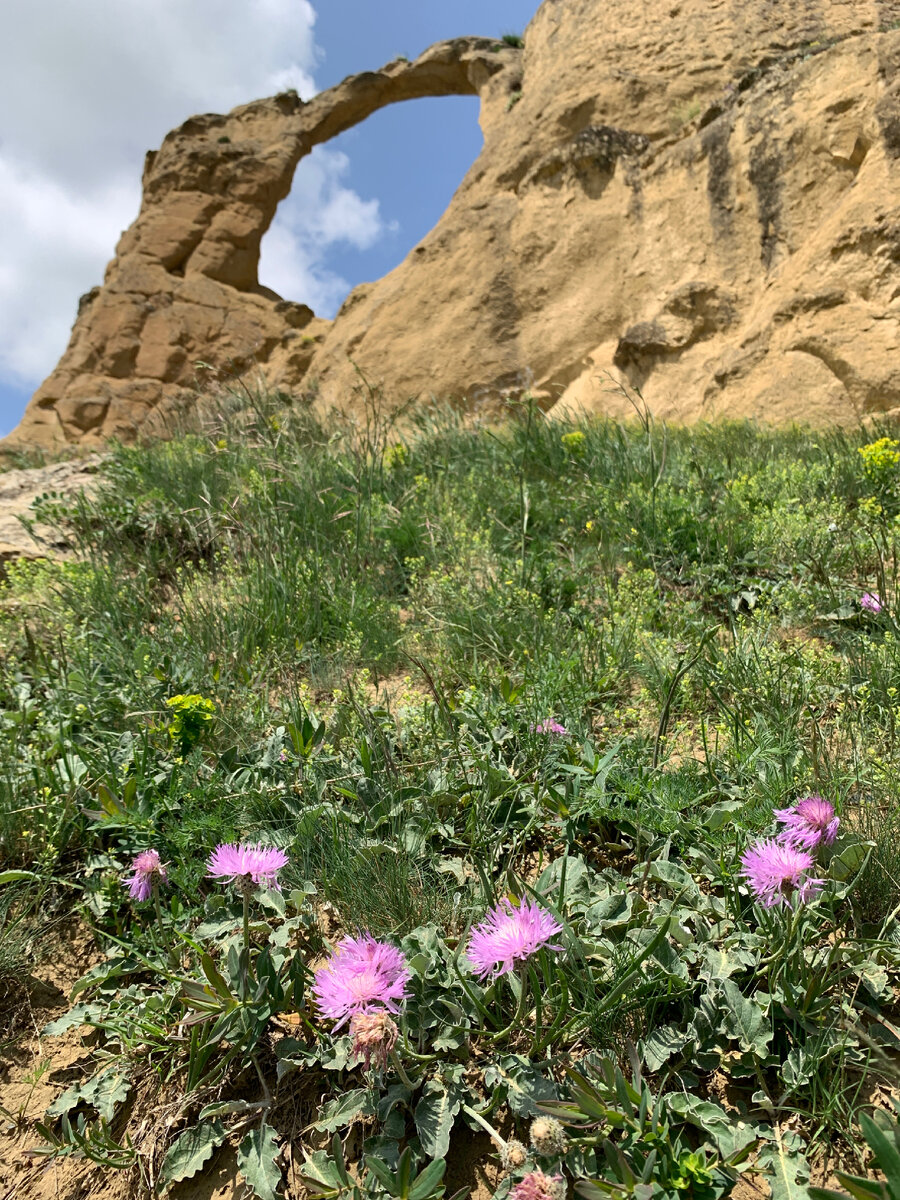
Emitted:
<point x="694" y="198"/>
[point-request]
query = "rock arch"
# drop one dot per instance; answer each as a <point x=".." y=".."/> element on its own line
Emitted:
<point x="183" y="286"/>
<point x="701" y="199"/>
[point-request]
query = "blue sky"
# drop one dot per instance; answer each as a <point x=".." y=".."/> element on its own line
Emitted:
<point x="70" y="160"/>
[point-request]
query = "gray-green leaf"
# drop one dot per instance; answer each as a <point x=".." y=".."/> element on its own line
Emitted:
<point x="191" y="1151"/>
<point x="256" y="1162"/>
<point x="435" y="1114"/>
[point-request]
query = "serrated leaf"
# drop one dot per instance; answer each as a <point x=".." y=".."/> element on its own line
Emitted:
<point x="256" y="1162"/>
<point x="191" y="1151"/>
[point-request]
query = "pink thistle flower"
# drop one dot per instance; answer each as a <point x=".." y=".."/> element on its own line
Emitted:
<point x="361" y="975"/>
<point x="538" y="1186"/>
<point x="508" y="935"/>
<point x="247" y="864"/>
<point x="149" y="873"/>
<point x="550" y="727"/>
<point x="811" y="823"/>
<point x="776" y="872"/>
<point x="374" y="1037"/>
<point x="871" y="602"/>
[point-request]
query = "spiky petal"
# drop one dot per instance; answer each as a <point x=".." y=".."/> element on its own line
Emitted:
<point x="809" y="824"/>
<point x="777" y="872"/>
<point x="538" y="1186"/>
<point x="509" y="935"/>
<point x="149" y="873"/>
<point x="362" y="975"/>
<point x="257" y="864"/>
<point x="374" y="1037"/>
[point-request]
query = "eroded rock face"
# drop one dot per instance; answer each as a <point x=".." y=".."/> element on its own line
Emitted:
<point x="699" y="198"/>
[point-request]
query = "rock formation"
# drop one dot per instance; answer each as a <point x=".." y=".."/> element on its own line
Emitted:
<point x="698" y="197"/>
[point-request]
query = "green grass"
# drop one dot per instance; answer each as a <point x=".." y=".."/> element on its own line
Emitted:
<point x="382" y="613"/>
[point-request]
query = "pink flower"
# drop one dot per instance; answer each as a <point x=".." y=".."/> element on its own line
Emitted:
<point x="811" y="823"/>
<point x="549" y="726"/>
<point x="149" y="873"/>
<point x="538" y="1186"/>
<point x="871" y="602"/>
<point x="361" y="975"/>
<point x="240" y="864"/>
<point x="508" y="935"/>
<point x="776" y="871"/>
<point x="374" y="1037"/>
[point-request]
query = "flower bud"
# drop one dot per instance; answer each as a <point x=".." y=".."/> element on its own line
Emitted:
<point x="548" y="1138"/>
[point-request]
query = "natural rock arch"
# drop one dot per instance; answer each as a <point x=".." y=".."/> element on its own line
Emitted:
<point x="698" y="197"/>
<point x="183" y="285"/>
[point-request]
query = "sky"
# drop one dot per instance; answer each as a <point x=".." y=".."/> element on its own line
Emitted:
<point x="87" y="88"/>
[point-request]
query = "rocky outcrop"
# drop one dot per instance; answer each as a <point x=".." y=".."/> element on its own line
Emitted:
<point x="699" y="198"/>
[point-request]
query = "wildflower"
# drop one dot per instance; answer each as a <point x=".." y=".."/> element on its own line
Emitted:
<point x="871" y="602"/>
<point x="811" y="823"/>
<point x="247" y="865"/>
<point x="361" y="975"/>
<point x="538" y="1186"/>
<point x="549" y="726"/>
<point x="513" y="1154"/>
<point x="149" y="873"/>
<point x="374" y="1037"/>
<point x="776" y="871"/>
<point x="508" y="935"/>
<point x="548" y="1138"/>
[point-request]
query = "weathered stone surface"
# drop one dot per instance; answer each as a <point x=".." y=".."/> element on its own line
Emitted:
<point x="20" y="488"/>
<point x="698" y="197"/>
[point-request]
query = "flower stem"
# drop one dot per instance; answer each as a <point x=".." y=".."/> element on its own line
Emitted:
<point x="479" y="1120"/>
<point x="404" y="1078"/>
<point x="519" y="1013"/>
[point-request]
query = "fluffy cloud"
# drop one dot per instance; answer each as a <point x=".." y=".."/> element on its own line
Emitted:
<point x="320" y="211"/>
<point x="85" y="90"/>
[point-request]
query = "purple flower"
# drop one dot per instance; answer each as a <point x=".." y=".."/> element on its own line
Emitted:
<point x="811" y="823"/>
<point x="149" y="872"/>
<point x="776" y="871"/>
<point x="361" y="975"/>
<point x="549" y="726"/>
<point x="871" y="602"/>
<point x="538" y="1186"/>
<point x="239" y="864"/>
<point x="508" y="935"/>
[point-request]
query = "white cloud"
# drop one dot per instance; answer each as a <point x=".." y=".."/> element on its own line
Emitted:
<point x="319" y="212"/>
<point x="86" y="89"/>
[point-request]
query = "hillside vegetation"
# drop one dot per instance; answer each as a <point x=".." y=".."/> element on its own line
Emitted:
<point x="457" y="674"/>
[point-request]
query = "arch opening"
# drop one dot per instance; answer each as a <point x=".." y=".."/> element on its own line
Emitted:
<point x="359" y="203"/>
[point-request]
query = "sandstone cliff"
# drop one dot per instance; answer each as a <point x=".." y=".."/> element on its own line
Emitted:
<point x="698" y="197"/>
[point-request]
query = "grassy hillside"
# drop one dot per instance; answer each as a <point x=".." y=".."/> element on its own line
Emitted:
<point x="571" y="666"/>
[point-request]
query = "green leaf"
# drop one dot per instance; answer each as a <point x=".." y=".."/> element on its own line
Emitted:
<point x="340" y="1112"/>
<point x="787" y="1169"/>
<point x="256" y="1162"/>
<point x="16" y="876"/>
<point x="191" y="1151"/>
<point x="659" y="1046"/>
<point x="426" y="1182"/>
<point x="434" y="1116"/>
<point x="744" y="1020"/>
